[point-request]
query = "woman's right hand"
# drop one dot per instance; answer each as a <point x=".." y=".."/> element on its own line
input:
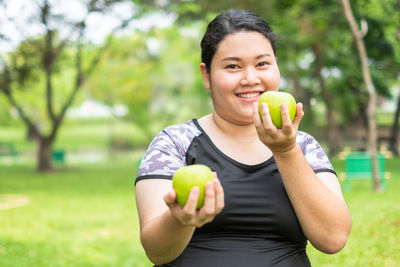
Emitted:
<point x="188" y="215"/>
<point x="277" y="140"/>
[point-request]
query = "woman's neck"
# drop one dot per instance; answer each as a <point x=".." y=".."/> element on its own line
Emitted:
<point x="233" y="138"/>
<point x="231" y="129"/>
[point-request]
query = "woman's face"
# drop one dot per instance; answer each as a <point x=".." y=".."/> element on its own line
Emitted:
<point x="243" y="67"/>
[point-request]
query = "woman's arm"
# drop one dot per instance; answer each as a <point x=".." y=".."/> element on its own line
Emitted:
<point x="317" y="201"/>
<point x="165" y="227"/>
<point x="316" y="198"/>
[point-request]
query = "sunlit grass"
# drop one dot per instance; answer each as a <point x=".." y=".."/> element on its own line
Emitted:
<point x="374" y="239"/>
<point x="78" y="216"/>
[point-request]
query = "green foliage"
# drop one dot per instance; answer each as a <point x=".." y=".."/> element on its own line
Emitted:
<point x="5" y="116"/>
<point x="26" y="62"/>
<point x="156" y="75"/>
<point x="303" y="25"/>
<point x="52" y="67"/>
<point x="122" y="75"/>
<point x="29" y="80"/>
<point x="179" y="91"/>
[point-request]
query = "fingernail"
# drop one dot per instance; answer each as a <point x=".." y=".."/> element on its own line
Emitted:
<point x="210" y="184"/>
<point x="195" y="190"/>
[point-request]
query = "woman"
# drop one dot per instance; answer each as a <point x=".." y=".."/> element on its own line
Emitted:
<point x="274" y="188"/>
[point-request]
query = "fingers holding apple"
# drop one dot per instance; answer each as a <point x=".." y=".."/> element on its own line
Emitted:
<point x="198" y="194"/>
<point x="289" y="122"/>
<point x="187" y="177"/>
<point x="277" y="118"/>
<point x="275" y="100"/>
<point x="299" y="115"/>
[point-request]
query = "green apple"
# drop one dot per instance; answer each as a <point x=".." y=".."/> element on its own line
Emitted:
<point x="274" y="100"/>
<point x="188" y="177"/>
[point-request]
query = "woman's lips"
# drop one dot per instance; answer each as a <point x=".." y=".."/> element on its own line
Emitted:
<point x="249" y="97"/>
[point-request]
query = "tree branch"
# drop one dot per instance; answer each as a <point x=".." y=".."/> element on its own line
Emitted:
<point x="5" y="88"/>
<point x="364" y="28"/>
<point x="81" y="76"/>
<point x="48" y="58"/>
<point x="358" y="36"/>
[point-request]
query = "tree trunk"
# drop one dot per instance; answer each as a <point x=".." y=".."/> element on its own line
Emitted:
<point x="372" y="127"/>
<point x="45" y="161"/>
<point x="334" y="136"/>
<point x="394" y="133"/>
<point x="31" y="133"/>
<point x="372" y="141"/>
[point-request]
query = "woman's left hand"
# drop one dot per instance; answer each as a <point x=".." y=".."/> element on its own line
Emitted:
<point x="277" y="140"/>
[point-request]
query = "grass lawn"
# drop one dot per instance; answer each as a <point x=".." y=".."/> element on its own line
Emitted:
<point x="84" y="215"/>
<point x="78" y="216"/>
<point x="375" y="237"/>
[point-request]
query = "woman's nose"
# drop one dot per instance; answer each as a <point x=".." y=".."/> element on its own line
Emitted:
<point x="250" y="77"/>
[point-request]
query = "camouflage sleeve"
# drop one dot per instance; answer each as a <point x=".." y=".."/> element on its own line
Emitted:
<point x="167" y="152"/>
<point x="162" y="158"/>
<point x="314" y="153"/>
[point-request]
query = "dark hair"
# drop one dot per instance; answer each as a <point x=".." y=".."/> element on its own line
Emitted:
<point x="229" y="22"/>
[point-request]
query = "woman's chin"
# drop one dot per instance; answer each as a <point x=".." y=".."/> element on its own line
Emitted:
<point x="246" y="120"/>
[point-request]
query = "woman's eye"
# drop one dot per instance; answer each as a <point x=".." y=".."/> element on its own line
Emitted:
<point x="263" y="64"/>
<point x="232" y="66"/>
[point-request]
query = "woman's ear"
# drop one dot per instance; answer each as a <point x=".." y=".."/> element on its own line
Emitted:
<point x="206" y="76"/>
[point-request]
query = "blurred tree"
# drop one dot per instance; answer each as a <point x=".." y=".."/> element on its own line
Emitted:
<point x="307" y="58"/>
<point x="358" y="35"/>
<point x="156" y="75"/>
<point x="386" y="15"/>
<point x="5" y="116"/>
<point x="38" y="64"/>
<point x="318" y="61"/>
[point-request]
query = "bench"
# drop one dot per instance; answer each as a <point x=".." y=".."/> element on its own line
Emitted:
<point x="358" y="167"/>
<point x="7" y="149"/>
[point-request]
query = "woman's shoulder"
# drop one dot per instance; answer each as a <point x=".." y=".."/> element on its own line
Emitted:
<point x="309" y="145"/>
<point x="166" y="153"/>
<point x="305" y="140"/>
<point x="313" y="152"/>
<point x="177" y="135"/>
<point x="182" y="130"/>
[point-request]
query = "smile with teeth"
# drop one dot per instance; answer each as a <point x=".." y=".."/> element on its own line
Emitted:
<point x="248" y="95"/>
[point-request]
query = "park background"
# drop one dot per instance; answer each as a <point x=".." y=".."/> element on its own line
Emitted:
<point x="85" y="86"/>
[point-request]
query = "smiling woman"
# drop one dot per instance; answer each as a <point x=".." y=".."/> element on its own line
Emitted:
<point x="275" y="189"/>
<point x="243" y="67"/>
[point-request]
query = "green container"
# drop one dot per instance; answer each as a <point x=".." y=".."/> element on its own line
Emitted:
<point x="359" y="167"/>
<point x="58" y="156"/>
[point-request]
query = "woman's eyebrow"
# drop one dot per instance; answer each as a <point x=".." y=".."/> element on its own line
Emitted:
<point x="238" y="59"/>
<point x="264" y="55"/>
<point x="231" y="59"/>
